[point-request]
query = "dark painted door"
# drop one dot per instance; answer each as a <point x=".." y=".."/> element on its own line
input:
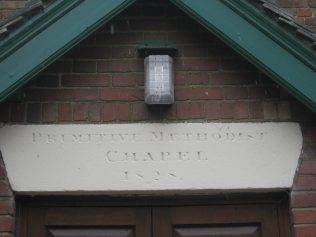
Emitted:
<point x="87" y="222"/>
<point x="216" y="221"/>
<point x="246" y="220"/>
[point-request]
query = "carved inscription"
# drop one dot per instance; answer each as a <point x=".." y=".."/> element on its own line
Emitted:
<point x="161" y="153"/>
<point x="114" y="156"/>
<point x="222" y="134"/>
<point x="149" y="177"/>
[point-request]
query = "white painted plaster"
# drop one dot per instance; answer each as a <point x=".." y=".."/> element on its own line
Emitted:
<point x="151" y="157"/>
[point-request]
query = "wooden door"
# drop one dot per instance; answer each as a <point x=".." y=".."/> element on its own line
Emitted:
<point x="86" y="222"/>
<point x="216" y="221"/>
<point x="221" y="220"/>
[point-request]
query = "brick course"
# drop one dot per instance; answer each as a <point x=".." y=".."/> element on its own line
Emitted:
<point x="9" y="7"/>
<point x="102" y="81"/>
<point x="304" y="10"/>
<point x="7" y="204"/>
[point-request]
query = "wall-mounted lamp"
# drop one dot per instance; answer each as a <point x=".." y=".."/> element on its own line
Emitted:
<point x="159" y="75"/>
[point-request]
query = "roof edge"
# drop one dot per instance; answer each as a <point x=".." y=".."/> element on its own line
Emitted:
<point x="274" y="31"/>
<point x="15" y="76"/>
<point x="294" y="69"/>
<point x="35" y="26"/>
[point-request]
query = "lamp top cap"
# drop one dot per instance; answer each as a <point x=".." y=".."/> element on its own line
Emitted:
<point x="157" y="48"/>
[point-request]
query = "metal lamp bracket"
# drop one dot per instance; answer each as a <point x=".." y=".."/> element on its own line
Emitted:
<point x="157" y="48"/>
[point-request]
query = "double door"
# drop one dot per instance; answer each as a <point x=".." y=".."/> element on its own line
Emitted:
<point x="234" y="220"/>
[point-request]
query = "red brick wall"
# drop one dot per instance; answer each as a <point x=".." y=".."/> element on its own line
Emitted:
<point x="304" y="10"/>
<point x="8" y="7"/>
<point x="7" y="204"/>
<point x="303" y="196"/>
<point x="101" y="81"/>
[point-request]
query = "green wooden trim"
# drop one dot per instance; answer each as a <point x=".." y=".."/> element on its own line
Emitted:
<point x="271" y="28"/>
<point x="57" y="37"/>
<point x="35" y="25"/>
<point x="275" y="59"/>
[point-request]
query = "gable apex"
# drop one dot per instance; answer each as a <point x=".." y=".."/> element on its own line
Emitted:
<point x="260" y="40"/>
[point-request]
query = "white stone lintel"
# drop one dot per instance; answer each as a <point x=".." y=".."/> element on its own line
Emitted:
<point x="151" y="158"/>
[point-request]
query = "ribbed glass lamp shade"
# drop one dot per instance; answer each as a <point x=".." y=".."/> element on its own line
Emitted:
<point x="159" y="85"/>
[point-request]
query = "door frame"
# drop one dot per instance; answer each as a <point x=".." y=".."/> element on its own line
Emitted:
<point x="279" y="199"/>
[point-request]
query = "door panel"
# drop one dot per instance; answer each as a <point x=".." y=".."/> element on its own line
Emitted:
<point x="53" y="232"/>
<point x="213" y="221"/>
<point x="87" y="222"/>
<point x="235" y="231"/>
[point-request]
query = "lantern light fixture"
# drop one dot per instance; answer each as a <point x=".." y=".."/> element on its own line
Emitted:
<point x="159" y="73"/>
